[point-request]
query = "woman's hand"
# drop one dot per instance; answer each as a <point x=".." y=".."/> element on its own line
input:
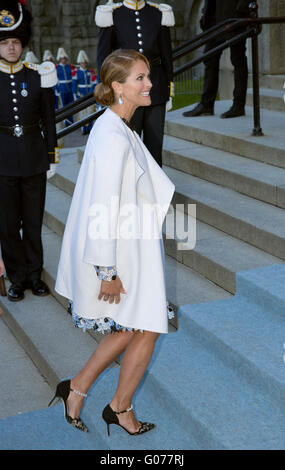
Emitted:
<point x="111" y="290"/>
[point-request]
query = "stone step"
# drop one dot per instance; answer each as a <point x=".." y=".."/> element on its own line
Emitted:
<point x="264" y="287"/>
<point x="275" y="82"/>
<point x="257" y="223"/>
<point x="46" y="429"/>
<point x="22" y="387"/>
<point x="269" y="99"/>
<point x="255" y="179"/>
<point x="211" y="388"/>
<point x="56" y="209"/>
<point x="246" y="331"/>
<point x="233" y="135"/>
<point x="22" y="432"/>
<point x="214" y="254"/>
<point x="39" y="324"/>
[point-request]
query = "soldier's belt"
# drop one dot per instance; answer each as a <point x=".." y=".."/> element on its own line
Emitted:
<point x="18" y="130"/>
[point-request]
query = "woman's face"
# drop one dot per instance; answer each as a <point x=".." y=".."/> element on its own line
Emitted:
<point x="136" y="89"/>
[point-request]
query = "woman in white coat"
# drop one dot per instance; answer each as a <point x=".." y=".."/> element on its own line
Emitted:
<point x="111" y="265"/>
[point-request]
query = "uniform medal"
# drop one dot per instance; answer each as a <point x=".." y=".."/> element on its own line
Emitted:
<point x="24" y="91"/>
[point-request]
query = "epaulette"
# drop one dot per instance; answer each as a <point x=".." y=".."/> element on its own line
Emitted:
<point x="31" y="66"/>
<point x="104" y="15"/>
<point x="152" y="4"/>
<point x="47" y="71"/>
<point x="168" y="18"/>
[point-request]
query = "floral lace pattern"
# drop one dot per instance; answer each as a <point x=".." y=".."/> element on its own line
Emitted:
<point x="105" y="324"/>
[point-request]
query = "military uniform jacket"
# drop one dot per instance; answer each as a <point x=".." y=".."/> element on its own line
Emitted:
<point x="64" y="73"/>
<point x="143" y="31"/>
<point x="82" y="82"/>
<point x="28" y="154"/>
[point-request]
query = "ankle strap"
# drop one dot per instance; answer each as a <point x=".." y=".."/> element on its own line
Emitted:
<point x="78" y="393"/>
<point x="124" y="411"/>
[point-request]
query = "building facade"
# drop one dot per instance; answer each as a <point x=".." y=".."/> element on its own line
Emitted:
<point x="70" y="24"/>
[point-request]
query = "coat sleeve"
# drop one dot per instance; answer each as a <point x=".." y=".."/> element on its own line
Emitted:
<point x="48" y="123"/>
<point x="105" y="45"/>
<point x="107" y="165"/>
<point x="164" y="41"/>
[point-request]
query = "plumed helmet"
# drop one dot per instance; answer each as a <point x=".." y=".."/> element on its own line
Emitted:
<point x="61" y="54"/>
<point x="82" y="57"/>
<point x="48" y="55"/>
<point x="15" y="21"/>
<point x="31" y="57"/>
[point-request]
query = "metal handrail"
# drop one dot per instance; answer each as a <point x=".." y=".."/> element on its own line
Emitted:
<point x="75" y="107"/>
<point x="213" y="51"/>
<point x="221" y="28"/>
<point x="69" y="106"/>
<point x="76" y="125"/>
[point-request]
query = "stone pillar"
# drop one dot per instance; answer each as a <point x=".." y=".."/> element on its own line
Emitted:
<point x="272" y="38"/>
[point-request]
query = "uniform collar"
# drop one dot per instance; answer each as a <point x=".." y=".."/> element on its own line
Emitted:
<point x="133" y="5"/>
<point x="13" y="68"/>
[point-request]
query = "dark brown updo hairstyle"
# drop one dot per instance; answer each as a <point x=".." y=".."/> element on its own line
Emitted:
<point x="116" y="68"/>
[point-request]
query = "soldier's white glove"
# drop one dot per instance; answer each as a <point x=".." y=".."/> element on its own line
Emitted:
<point x="52" y="170"/>
<point x="169" y="104"/>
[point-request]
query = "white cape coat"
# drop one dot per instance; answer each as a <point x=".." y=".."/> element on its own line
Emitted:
<point x="116" y="167"/>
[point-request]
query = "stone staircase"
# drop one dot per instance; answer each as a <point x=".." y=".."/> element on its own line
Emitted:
<point x="217" y="381"/>
<point x="271" y="92"/>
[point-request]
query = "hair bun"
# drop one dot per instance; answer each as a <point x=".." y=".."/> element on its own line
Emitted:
<point x="104" y="94"/>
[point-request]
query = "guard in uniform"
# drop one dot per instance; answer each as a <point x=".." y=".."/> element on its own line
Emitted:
<point x="28" y="151"/>
<point x="64" y="74"/>
<point x="82" y="85"/>
<point x="213" y="13"/>
<point x="48" y="56"/>
<point x="145" y="27"/>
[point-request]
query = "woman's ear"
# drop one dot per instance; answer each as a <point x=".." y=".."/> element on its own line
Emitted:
<point x="117" y="87"/>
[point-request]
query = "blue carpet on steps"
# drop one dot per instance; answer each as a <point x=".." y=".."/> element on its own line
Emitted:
<point x="217" y="383"/>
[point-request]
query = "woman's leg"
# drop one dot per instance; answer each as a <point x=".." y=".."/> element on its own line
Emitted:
<point x="138" y="349"/>
<point x="134" y="364"/>
<point x="109" y="348"/>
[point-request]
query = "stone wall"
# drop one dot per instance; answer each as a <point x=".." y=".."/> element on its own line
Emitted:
<point x="64" y="23"/>
<point x="272" y="39"/>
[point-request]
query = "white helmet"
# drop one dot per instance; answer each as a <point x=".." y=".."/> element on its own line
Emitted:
<point x="48" y="55"/>
<point x="61" y="53"/>
<point x="82" y="57"/>
<point x="31" y="58"/>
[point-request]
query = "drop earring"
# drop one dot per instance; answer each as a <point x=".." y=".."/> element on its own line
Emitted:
<point x="121" y="100"/>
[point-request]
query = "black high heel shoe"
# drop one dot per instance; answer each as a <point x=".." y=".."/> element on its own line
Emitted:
<point x="110" y="417"/>
<point x="62" y="392"/>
